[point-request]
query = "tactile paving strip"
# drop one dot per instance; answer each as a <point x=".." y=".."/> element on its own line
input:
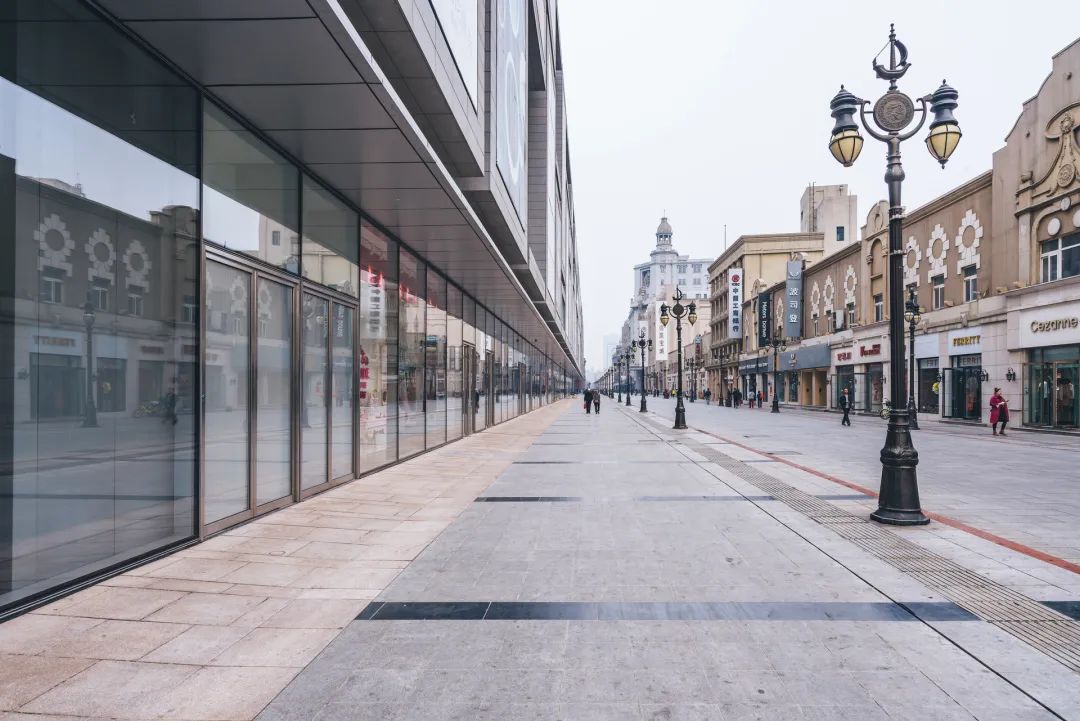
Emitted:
<point x="1043" y="628"/>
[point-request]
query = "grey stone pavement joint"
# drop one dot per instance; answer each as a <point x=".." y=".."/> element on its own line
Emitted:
<point x="662" y="554"/>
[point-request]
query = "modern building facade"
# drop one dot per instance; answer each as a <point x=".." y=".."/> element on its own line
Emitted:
<point x="995" y="267"/>
<point x="252" y="250"/>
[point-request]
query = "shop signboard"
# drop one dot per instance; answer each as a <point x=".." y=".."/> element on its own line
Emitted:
<point x="1050" y="325"/>
<point x="764" y="309"/>
<point x="793" y="300"/>
<point x="735" y="296"/>
<point x="965" y="341"/>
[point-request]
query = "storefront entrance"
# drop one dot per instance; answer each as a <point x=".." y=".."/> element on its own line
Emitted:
<point x="962" y="388"/>
<point x="1051" y="382"/>
<point x="273" y="435"/>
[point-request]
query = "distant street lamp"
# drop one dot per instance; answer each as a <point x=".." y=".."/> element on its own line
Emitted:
<point x="778" y="347"/>
<point x="642" y="344"/>
<point x="679" y="311"/>
<point x="629" y="357"/>
<point x="893" y="113"/>
<point x="90" y="412"/>
<point x="616" y="361"/>
<point x="912" y="314"/>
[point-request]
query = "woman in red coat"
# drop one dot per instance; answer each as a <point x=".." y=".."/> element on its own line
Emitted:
<point x="999" y="411"/>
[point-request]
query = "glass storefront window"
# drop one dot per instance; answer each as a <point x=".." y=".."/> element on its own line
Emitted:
<point x="314" y="391"/>
<point x="377" y="383"/>
<point x="435" y="360"/>
<point x="874" y="388"/>
<point x="250" y="193"/>
<point x="93" y="206"/>
<point x="454" y="364"/>
<point x="962" y="388"/>
<point x="273" y="418"/>
<point x="928" y="386"/>
<point x="330" y="251"/>
<point x="341" y="409"/>
<point x="412" y="335"/>
<point x="483" y="369"/>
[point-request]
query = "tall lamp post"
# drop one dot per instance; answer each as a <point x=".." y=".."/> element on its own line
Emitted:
<point x="678" y="312"/>
<point x="629" y="357"/>
<point x="778" y="347"/>
<point x="90" y="413"/>
<point x="912" y="314"/>
<point x="616" y="362"/>
<point x="642" y="344"/>
<point x="893" y="113"/>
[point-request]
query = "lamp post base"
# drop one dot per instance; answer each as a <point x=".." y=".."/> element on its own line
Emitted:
<point x="898" y="499"/>
<point x="913" y="418"/>
<point x="680" y="417"/>
<point x="643" y="409"/>
<point x="775" y="404"/>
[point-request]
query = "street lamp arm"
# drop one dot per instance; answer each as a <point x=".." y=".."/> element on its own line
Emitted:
<point x="866" y="123"/>
<point x="925" y="111"/>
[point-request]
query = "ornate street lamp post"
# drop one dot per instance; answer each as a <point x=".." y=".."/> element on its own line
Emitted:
<point x="616" y="362"/>
<point x="642" y="344"/>
<point x="629" y="357"/>
<point x="893" y="113"/>
<point x="90" y="412"/>
<point x="778" y="347"/>
<point x="679" y="311"/>
<point x="912" y="314"/>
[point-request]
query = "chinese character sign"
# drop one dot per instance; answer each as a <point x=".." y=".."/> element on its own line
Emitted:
<point x="793" y="300"/>
<point x="764" y="311"/>
<point x="735" y="296"/>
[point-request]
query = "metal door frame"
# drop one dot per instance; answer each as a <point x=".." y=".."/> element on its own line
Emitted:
<point x="468" y="389"/>
<point x="331" y="297"/>
<point x="254" y="272"/>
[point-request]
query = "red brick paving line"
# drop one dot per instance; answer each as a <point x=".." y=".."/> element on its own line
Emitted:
<point x="947" y="520"/>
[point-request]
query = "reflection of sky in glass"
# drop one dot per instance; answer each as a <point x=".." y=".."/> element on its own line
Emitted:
<point x="49" y="142"/>
<point x="228" y="222"/>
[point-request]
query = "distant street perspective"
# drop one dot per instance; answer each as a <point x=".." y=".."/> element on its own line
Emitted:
<point x="526" y="360"/>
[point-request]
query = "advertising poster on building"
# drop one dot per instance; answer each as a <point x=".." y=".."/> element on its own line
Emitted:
<point x="512" y="104"/>
<point x="459" y="21"/>
<point x="793" y="300"/>
<point x="735" y="295"/>
<point x="764" y="312"/>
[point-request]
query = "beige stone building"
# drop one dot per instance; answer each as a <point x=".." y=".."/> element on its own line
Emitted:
<point x="995" y="265"/>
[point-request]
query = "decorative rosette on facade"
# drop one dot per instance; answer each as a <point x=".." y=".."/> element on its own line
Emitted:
<point x="830" y="295"/>
<point x="851" y="282"/>
<point x="137" y="262"/>
<point x="937" y="252"/>
<point x="102" y="255"/>
<point x="815" y="301"/>
<point x="969" y="254"/>
<point x="912" y="261"/>
<point x="265" y="302"/>
<point x="54" y="244"/>
<point x="238" y="294"/>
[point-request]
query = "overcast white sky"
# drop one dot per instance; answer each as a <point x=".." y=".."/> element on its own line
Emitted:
<point x="718" y="111"/>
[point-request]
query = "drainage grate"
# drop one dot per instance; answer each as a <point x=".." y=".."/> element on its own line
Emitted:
<point x="1052" y="633"/>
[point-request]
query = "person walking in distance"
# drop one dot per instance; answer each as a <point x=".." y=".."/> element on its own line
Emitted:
<point x="736" y="397"/>
<point x="845" y="406"/>
<point x="588" y="400"/>
<point x="999" y="412"/>
<point x="596" y="402"/>
<point x="708" y="395"/>
<point x="750" y="401"/>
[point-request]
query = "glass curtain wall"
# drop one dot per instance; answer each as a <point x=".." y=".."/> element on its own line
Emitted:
<point x="435" y="360"/>
<point x="99" y="266"/>
<point x="342" y="392"/>
<point x="378" y="355"/>
<point x="314" y="390"/>
<point x="412" y="335"/>
<point x="454" y="364"/>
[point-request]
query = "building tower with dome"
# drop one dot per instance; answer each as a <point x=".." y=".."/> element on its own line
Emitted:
<point x="654" y="283"/>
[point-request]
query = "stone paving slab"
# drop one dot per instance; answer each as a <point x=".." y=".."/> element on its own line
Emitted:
<point x="450" y="659"/>
<point x="217" y="630"/>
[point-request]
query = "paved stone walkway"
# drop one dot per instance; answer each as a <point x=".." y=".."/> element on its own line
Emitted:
<point x="216" y="631"/>
<point x="612" y="572"/>
<point x="1024" y="487"/>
